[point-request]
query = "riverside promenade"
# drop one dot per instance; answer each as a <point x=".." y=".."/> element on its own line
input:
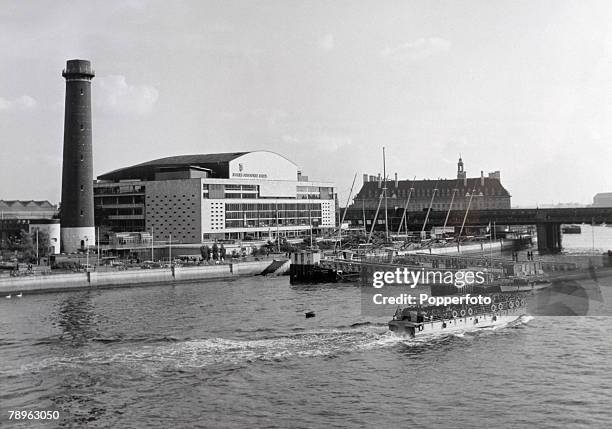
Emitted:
<point x="137" y="277"/>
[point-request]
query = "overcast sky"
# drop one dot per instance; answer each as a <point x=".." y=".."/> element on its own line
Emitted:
<point x="521" y="87"/>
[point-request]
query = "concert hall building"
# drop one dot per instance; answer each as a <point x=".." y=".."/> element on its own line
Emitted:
<point x="196" y="198"/>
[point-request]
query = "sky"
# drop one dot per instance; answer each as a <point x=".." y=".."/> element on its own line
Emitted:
<point x="524" y="87"/>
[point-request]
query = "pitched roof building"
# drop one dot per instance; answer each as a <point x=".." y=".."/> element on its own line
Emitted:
<point x="17" y="215"/>
<point x="17" y="209"/>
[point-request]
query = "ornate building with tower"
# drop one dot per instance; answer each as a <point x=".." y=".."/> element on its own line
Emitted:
<point x="484" y="192"/>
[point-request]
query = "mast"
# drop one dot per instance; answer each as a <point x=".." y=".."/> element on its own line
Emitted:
<point x="466" y="213"/>
<point x="364" y="217"/>
<point x="385" y="195"/>
<point x="433" y="195"/>
<point x="341" y="221"/>
<point x="380" y="200"/>
<point x="491" y="244"/>
<point x="450" y="207"/>
<point x="406" y="209"/>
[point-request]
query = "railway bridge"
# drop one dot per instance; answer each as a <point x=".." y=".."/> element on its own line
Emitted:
<point x="547" y="221"/>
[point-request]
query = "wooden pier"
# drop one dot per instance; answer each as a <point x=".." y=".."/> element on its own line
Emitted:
<point x="311" y="267"/>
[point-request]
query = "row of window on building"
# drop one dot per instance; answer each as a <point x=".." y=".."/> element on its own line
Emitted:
<point x="403" y="193"/>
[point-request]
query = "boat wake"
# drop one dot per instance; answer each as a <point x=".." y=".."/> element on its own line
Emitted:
<point x="196" y="353"/>
<point x="224" y="352"/>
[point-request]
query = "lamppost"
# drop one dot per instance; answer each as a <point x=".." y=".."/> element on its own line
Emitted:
<point x="98" y="249"/>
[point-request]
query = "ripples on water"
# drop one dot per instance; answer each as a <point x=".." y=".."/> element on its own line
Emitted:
<point x="241" y="354"/>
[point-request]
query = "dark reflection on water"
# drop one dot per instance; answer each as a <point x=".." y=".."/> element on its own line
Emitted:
<point x="242" y="354"/>
<point x="76" y="319"/>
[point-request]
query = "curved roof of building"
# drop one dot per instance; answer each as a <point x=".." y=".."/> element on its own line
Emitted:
<point x="146" y="170"/>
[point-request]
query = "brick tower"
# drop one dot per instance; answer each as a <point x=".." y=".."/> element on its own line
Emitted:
<point x="77" y="210"/>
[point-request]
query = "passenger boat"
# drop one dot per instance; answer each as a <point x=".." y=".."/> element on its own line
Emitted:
<point x="415" y="322"/>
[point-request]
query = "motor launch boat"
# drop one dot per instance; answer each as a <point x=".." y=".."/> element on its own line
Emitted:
<point x="413" y="322"/>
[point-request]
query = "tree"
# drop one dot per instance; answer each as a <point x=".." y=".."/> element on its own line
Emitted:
<point x="204" y="252"/>
<point x="27" y="245"/>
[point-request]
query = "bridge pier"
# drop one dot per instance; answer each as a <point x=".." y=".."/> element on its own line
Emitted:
<point x="549" y="237"/>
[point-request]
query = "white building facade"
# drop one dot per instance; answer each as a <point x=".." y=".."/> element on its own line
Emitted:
<point x="51" y="228"/>
<point x="191" y="199"/>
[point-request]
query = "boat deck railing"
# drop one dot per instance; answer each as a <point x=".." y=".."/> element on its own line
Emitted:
<point x="432" y="314"/>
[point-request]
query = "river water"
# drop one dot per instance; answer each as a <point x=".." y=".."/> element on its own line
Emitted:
<point x="240" y="353"/>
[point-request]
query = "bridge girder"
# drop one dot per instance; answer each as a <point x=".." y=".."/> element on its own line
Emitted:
<point x="596" y="215"/>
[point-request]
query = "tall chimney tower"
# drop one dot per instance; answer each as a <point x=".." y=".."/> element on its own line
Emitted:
<point x="77" y="210"/>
